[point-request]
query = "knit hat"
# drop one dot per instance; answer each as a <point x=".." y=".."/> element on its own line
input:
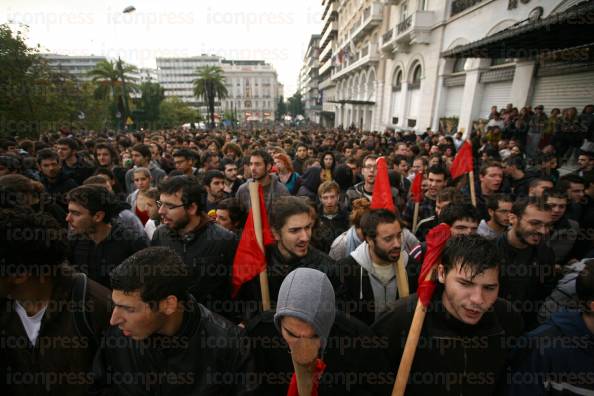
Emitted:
<point x="307" y="294"/>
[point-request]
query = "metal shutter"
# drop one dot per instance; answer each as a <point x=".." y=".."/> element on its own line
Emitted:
<point x="414" y="104"/>
<point x="495" y="94"/>
<point x="453" y="101"/>
<point x="395" y="104"/>
<point x="569" y="90"/>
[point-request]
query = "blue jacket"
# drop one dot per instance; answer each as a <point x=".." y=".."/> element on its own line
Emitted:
<point x="558" y="359"/>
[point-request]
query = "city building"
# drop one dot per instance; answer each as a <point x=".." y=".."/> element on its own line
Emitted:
<point x="252" y="85"/>
<point x="418" y="64"/>
<point x="327" y="86"/>
<point x="308" y="80"/>
<point x="77" y="66"/>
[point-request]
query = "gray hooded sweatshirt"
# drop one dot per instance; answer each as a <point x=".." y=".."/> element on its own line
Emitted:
<point x="384" y="294"/>
<point x="307" y="294"/>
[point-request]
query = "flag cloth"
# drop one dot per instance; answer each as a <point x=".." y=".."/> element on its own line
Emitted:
<point x="249" y="259"/>
<point x="382" y="190"/>
<point x="317" y="373"/>
<point x="416" y="190"/>
<point x="463" y="162"/>
<point x="436" y="240"/>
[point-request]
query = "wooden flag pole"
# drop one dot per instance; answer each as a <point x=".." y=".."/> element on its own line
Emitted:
<point x="255" y="202"/>
<point x="472" y="191"/>
<point x="401" y="278"/>
<point x="415" y="218"/>
<point x="410" y="348"/>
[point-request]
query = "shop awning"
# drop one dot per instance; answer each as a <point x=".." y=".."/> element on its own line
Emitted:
<point x="534" y="37"/>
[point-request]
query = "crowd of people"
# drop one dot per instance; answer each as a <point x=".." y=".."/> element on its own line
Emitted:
<point x="118" y="251"/>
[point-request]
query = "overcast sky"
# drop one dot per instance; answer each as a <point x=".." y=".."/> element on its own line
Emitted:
<point x="276" y="31"/>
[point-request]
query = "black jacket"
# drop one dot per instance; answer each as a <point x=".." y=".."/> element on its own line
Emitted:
<point x="60" y="362"/>
<point x="328" y="229"/>
<point x="527" y="278"/>
<point x="57" y="189"/>
<point x="208" y="356"/>
<point x="209" y="251"/>
<point x="97" y="261"/>
<point x="452" y="358"/>
<point x="250" y="297"/>
<point x="355" y="364"/>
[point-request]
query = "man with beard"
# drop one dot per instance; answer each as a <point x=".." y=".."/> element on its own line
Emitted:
<point x="72" y="164"/>
<point x="214" y="184"/>
<point x="437" y="178"/>
<point x="527" y="276"/>
<point x="207" y="248"/>
<point x="291" y="224"/>
<point x="368" y="276"/>
<point x="56" y="182"/>
<point x="499" y="207"/>
<point x="364" y="189"/>
<point x="232" y="182"/>
<point x="260" y="165"/>
<point x="300" y="157"/>
<point x="98" y="244"/>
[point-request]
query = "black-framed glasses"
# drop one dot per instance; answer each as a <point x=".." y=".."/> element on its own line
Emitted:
<point x="168" y="206"/>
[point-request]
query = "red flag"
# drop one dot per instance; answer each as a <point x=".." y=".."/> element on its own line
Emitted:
<point x="317" y="373"/>
<point x="463" y="162"/>
<point x="436" y="240"/>
<point x="382" y="190"/>
<point x="249" y="259"/>
<point x="416" y="190"/>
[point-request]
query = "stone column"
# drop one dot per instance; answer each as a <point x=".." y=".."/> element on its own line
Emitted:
<point x="523" y="83"/>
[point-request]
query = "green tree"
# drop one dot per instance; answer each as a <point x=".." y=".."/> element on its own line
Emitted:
<point x="296" y="105"/>
<point x="281" y="109"/>
<point x="150" y="102"/>
<point x="210" y="85"/>
<point x="173" y="112"/>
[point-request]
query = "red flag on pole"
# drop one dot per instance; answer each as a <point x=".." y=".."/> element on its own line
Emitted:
<point x="318" y="370"/>
<point x="416" y="190"/>
<point x="436" y="240"/>
<point x="382" y="190"/>
<point x="463" y="162"/>
<point x="249" y="259"/>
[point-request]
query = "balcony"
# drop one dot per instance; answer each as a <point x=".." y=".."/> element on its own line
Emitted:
<point x="325" y="67"/>
<point x="325" y="84"/>
<point x="415" y="29"/>
<point x="330" y="11"/>
<point x="372" y="17"/>
<point x="365" y="56"/>
<point x="329" y="33"/>
<point x="393" y="2"/>
<point x="460" y="5"/>
<point x="326" y="53"/>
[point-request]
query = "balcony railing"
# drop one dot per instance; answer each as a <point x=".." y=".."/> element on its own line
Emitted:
<point x="388" y="36"/>
<point x="404" y="25"/>
<point x="460" y="5"/>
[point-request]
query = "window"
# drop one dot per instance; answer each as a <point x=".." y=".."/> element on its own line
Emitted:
<point x="501" y="61"/>
<point x="459" y="65"/>
<point x="416" y="77"/>
<point x="397" y="83"/>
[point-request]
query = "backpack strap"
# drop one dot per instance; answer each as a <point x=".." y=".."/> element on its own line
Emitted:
<point x="81" y="321"/>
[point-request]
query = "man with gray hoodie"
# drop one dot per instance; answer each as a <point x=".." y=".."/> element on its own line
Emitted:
<point x="341" y="354"/>
<point x="368" y="275"/>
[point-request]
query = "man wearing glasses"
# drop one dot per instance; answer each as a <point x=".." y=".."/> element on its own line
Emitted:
<point x="527" y="276"/>
<point x="204" y="246"/>
<point x="364" y="189"/>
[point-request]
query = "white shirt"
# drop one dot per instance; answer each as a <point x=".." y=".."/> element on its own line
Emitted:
<point x="30" y="323"/>
<point x="384" y="272"/>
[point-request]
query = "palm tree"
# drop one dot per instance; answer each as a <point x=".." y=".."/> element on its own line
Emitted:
<point x="113" y="74"/>
<point x="210" y="85"/>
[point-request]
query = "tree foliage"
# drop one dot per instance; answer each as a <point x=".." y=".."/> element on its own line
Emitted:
<point x="210" y="85"/>
<point x="296" y="105"/>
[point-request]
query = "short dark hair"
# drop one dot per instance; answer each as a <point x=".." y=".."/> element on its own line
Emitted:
<point x="487" y="165"/>
<point x="71" y="143"/>
<point x="207" y="156"/>
<point x="438" y="170"/>
<point x="33" y="242"/>
<point x="47" y="154"/>
<point x="520" y="205"/>
<point x="493" y="200"/>
<point x="537" y="180"/>
<point x="374" y="217"/>
<point x="227" y="161"/>
<point x="474" y="252"/>
<point x="14" y="190"/>
<point x="112" y="152"/>
<point x="192" y="191"/>
<point x="210" y="175"/>
<point x="156" y="272"/>
<point x="399" y="158"/>
<point x="285" y="207"/>
<point x="95" y="198"/>
<point x="185" y="153"/>
<point x="450" y="194"/>
<point x="143" y="149"/>
<point x="555" y="193"/>
<point x="262" y="154"/>
<point x="236" y="213"/>
<point x="515" y="161"/>
<point x="565" y="182"/>
<point x="584" y="284"/>
<point x="459" y="211"/>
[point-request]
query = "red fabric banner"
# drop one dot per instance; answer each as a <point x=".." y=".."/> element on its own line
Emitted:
<point x="381" y="197"/>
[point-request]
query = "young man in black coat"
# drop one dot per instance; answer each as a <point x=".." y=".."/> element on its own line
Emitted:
<point x="161" y="340"/>
<point x="332" y="219"/>
<point x="463" y="344"/>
